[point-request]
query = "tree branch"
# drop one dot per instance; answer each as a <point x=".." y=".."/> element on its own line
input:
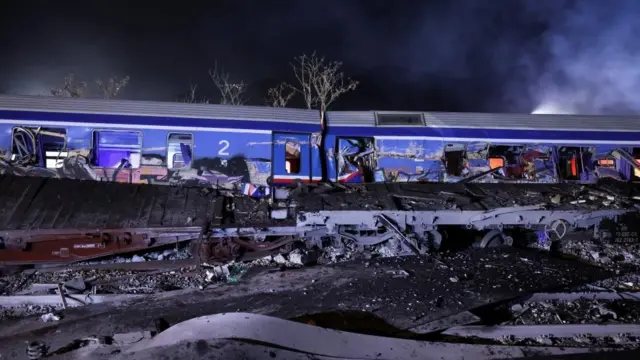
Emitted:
<point x="280" y="95"/>
<point x="190" y="97"/>
<point x="320" y="82"/>
<point x="112" y="87"/>
<point x="70" y="88"/>
<point x="230" y="93"/>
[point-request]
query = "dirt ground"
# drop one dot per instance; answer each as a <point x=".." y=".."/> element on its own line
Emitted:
<point x="384" y="296"/>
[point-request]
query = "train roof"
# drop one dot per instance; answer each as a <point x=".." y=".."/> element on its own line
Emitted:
<point x="51" y="104"/>
<point x="483" y="120"/>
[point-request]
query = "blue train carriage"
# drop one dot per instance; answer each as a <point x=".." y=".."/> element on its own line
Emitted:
<point x="447" y="147"/>
<point x="161" y="143"/>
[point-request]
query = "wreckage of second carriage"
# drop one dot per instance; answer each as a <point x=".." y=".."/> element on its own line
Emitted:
<point x="62" y="220"/>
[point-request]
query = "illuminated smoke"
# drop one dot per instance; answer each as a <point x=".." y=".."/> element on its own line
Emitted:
<point x="595" y="60"/>
<point x="553" y="109"/>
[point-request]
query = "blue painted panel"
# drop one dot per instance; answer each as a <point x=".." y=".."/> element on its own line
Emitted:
<point x="155" y="141"/>
<point x="409" y="160"/>
<point x="157" y="121"/>
<point x="226" y="145"/>
<point x="5" y="137"/>
<point x="127" y="139"/>
<point x="299" y="143"/>
<point x="79" y="138"/>
<point x="508" y="134"/>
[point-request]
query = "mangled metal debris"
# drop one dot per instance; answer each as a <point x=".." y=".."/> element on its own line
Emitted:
<point x="413" y="217"/>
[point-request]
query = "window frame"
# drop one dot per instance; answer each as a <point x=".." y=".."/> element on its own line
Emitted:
<point x="193" y="147"/>
<point x="32" y="127"/>
<point x="93" y="137"/>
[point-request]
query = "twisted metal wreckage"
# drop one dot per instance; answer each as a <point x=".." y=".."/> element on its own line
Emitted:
<point x="46" y="220"/>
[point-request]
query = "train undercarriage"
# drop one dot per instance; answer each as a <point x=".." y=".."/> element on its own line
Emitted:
<point x="44" y="220"/>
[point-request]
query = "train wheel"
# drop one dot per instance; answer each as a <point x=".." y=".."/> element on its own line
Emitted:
<point x="494" y="238"/>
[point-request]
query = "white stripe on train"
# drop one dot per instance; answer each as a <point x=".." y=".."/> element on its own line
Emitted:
<point x="267" y="132"/>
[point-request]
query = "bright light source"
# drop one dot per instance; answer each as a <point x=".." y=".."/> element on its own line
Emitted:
<point x="550" y="108"/>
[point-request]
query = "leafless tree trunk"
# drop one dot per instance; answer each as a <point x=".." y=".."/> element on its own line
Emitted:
<point x="71" y="88"/>
<point x="280" y="95"/>
<point x="320" y="82"/>
<point x="230" y="93"/>
<point x="190" y="97"/>
<point x="112" y="87"/>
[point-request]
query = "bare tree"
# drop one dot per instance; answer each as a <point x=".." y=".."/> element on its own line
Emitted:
<point x="190" y="97"/>
<point x="71" y="88"/>
<point x="320" y="82"/>
<point x="112" y="87"/>
<point x="280" y="95"/>
<point x="230" y="93"/>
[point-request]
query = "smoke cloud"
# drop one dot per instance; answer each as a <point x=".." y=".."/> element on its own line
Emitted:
<point x="461" y="55"/>
<point x="594" y="60"/>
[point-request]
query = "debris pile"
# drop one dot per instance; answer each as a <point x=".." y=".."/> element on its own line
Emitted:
<point x="579" y="311"/>
<point x="178" y="253"/>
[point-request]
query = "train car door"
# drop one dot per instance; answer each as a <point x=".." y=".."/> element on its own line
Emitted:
<point x="291" y="158"/>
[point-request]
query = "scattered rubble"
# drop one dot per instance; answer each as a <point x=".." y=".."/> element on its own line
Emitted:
<point x="581" y="311"/>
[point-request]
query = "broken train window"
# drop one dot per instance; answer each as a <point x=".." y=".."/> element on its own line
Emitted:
<point x="117" y="149"/>
<point x="570" y="165"/>
<point x="507" y="157"/>
<point x="39" y="146"/>
<point x="292" y="157"/>
<point x="454" y="159"/>
<point x="179" y="150"/>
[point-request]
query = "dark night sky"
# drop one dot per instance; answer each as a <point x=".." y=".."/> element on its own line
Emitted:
<point x="467" y="55"/>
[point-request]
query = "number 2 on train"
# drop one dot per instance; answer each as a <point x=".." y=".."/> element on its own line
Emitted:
<point x="223" y="150"/>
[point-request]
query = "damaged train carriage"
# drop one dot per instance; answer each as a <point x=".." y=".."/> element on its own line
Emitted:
<point x="365" y="146"/>
<point x="239" y="147"/>
<point x="249" y="148"/>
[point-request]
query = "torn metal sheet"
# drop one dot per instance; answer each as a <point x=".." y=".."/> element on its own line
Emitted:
<point x="533" y="331"/>
<point x="321" y="341"/>
<point x="54" y="249"/>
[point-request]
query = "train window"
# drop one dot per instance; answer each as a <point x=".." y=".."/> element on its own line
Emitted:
<point x="454" y="159"/>
<point x="117" y="149"/>
<point x="39" y="146"/>
<point x="179" y="150"/>
<point x="508" y="157"/>
<point x="570" y="166"/>
<point x="292" y="157"/>
<point x="415" y="119"/>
